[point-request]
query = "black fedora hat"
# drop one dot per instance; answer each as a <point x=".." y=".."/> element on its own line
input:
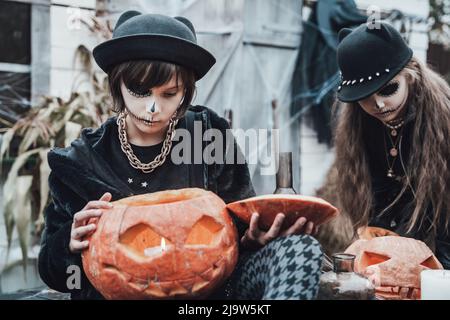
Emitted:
<point x="368" y="58"/>
<point x="138" y="36"/>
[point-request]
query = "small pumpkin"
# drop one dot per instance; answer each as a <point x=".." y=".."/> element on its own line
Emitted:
<point x="168" y="244"/>
<point x="393" y="264"/>
<point x="293" y="206"/>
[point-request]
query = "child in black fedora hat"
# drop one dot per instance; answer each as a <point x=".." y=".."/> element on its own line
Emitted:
<point x="392" y="138"/>
<point x="153" y="62"/>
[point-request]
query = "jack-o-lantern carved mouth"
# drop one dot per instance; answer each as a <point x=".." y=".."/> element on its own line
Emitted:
<point x="398" y="292"/>
<point x="144" y="241"/>
<point x="385" y="290"/>
<point x="143" y="284"/>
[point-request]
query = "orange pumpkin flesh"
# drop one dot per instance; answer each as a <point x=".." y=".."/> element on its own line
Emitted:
<point x="393" y="264"/>
<point x="293" y="206"/>
<point x="169" y="244"/>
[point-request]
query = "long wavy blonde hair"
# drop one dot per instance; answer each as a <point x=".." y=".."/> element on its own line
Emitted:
<point x="428" y="166"/>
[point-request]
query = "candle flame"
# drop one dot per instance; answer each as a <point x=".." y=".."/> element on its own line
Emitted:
<point x="163" y="244"/>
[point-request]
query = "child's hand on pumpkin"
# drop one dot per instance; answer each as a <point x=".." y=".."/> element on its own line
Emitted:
<point x="80" y="228"/>
<point x="255" y="237"/>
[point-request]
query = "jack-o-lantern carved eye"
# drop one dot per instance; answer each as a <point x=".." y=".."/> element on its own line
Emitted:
<point x="371" y="258"/>
<point x="141" y="237"/>
<point x="143" y="240"/>
<point x="431" y="263"/>
<point x="204" y="231"/>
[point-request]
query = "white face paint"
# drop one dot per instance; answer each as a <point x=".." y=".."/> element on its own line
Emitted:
<point x="151" y="106"/>
<point x="389" y="103"/>
<point x="151" y="111"/>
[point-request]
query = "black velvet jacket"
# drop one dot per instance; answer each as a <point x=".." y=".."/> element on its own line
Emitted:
<point x="84" y="172"/>
<point x="386" y="189"/>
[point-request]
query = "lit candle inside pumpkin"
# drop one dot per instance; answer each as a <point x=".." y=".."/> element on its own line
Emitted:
<point x="435" y="284"/>
<point x="149" y="252"/>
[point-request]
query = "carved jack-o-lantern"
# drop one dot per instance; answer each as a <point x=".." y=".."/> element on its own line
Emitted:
<point x="169" y="244"/>
<point x="393" y="264"/>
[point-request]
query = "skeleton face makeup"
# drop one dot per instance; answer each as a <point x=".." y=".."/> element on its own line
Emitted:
<point x="150" y="109"/>
<point x="389" y="103"/>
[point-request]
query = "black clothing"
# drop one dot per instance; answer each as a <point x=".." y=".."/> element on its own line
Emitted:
<point x="94" y="164"/>
<point x="386" y="189"/>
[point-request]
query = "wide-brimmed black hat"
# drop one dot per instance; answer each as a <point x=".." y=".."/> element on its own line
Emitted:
<point x="138" y="36"/>
<point x="368" y="58"/>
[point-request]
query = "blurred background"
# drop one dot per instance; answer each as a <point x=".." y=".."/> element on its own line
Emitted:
<point x="276" y="68"/>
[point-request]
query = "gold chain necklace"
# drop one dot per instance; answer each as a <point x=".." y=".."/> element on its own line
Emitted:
<point x="134" y="161"/>
<point x="393" y="152"/>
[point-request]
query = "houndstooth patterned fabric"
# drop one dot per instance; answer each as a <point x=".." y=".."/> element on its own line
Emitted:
<point x="287" y="268"/>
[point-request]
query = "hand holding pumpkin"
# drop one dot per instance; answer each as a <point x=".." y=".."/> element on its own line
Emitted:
<point x="300" y="214"/>
<point x="80" y="228"/>
<point x="255" y="237"/>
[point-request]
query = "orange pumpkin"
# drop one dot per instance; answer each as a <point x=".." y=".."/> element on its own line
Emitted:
<point x="293" y="206"/>
<point x="374" y="232"/>
<point x="393" y="264"/>
<point x="169" y="244"/>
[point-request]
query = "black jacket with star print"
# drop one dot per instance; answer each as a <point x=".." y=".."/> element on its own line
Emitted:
<point x="87" y="169"/>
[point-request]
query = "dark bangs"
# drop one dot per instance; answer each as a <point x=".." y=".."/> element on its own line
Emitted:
<point x="142" y="75"/>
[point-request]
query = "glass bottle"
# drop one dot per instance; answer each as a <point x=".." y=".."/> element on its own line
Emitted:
<point x="284" y="174"/>
<point x="343" y="283"/>
<point x="228" y="115"/>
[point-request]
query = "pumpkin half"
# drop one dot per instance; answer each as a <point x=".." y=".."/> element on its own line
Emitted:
<point x="168" y="244"/>
<point x="393" y="264"/>
<point x="293" y="206"/>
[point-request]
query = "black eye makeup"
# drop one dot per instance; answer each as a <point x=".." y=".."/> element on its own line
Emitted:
<point x="390" y="89"/>
<point x="138" y="90"/>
